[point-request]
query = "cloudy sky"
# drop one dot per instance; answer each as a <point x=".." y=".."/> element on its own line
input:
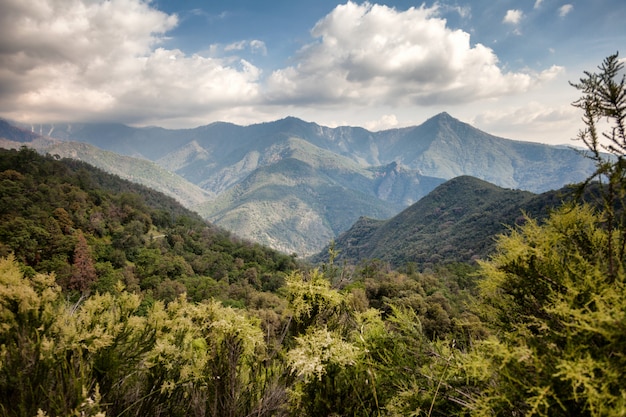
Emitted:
<point x="501" y="65"/>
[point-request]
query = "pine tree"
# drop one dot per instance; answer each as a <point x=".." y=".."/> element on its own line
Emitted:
<point x="603" y="102"/>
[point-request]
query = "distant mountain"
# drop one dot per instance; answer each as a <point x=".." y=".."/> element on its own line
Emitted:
<point x="140" y="171"/>
<point x="309" y="196"/>
<point x="457" y="221"/>
<point x="220" y="154"/>
<point x="327" y="177"/>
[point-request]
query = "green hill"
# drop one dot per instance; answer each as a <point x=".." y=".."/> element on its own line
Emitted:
<point x="309" y="196"/>
<point x="55" y="213"/>
<point x="456" y="222"/>
<point x="138" y="170"/>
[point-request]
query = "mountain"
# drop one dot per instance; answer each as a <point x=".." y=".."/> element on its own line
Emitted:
<point x="220" y="154"/>
<point x="326" y="178"/>
<point x="140" y="171"/>
<point x="309" y="196"/>
<point x="457" y="221"/>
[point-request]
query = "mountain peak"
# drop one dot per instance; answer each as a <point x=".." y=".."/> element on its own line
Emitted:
<point x="443" y="117"/>
<point x="291" y="120"/>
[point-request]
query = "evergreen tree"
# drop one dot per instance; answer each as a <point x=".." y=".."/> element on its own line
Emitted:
<point x="555" y="293"/>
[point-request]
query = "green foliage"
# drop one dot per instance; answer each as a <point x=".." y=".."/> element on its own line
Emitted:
<point x="456" y="222"/>
<point x="318" y="351"/>
<point x="352" y="360"/>
<point x="559" y="313"/>
<point x="311" y="299"/>
<point x="103" y="353"/>
<point x="92" y="229"/>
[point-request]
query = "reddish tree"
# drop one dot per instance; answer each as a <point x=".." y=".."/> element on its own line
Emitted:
<point x="83" y="269"/>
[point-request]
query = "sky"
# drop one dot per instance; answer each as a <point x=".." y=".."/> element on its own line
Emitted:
<point x="503" y="66"/>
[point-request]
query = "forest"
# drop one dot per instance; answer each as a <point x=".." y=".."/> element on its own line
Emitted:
<point x="116" y="301"/>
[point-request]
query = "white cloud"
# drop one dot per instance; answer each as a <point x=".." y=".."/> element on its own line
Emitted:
<point x="258" y="47"/>
<point x="513" y="16"/>
<point x="82" y="60"/>
<point x="463" y="11"/>
<point x="559" y="123"/>
<point x="550" y="73"/>
<point x="371" y="54"/>
<point x="529" y="114"/>
<point x="565" y="9"/>
<point x="538" y="4"/>
<point x="73" y="59"/>
<point x="236" y="46"/>
<point x="387" y="121"/>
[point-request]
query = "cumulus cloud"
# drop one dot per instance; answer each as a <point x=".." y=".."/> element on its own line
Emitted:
<point x="565" y="9"/>
<point x="372" y="54"/>
<point x="87" y="60"/>
<point x="104" y="60"/>
<point x="513" y="16"/>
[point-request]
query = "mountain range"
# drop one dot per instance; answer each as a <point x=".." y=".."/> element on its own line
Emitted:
<point x="296" y="185"/>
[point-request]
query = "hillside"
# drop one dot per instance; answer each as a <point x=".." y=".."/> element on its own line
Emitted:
<point x="309" y="196"/>
<point x="137" y="170"/>
<point x="457" y="222"/>
<point x="67" y="217"/>
<point x="375" y="174"/>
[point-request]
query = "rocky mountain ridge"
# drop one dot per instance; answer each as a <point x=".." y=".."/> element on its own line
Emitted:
<point x="294" y="184"/>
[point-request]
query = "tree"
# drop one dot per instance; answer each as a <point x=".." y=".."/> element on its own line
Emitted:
<point x="555" y="293"/>
<point x="34" y="378"/>
<point x="603" y="102"/>
<point x="83" y="268"/>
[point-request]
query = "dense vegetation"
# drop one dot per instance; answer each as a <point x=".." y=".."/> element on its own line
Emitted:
<point x="93" y="229"/>
<point x="456" y="222"/>
<point x="536" y="330"/>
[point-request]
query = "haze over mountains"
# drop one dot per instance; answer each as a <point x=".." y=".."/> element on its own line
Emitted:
<point x="295" y="185"/>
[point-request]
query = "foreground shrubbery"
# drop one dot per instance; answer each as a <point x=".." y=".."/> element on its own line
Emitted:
<point x="105" y="353"/>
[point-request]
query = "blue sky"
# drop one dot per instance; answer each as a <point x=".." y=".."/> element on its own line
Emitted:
<point x="501" y="65"/>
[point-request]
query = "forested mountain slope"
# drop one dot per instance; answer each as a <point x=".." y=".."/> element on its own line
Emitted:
<point x="137" y="170"/>
<point x="309" y="196"/>
<point x="93" y="229"/>
<point x="456" y="222"/>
